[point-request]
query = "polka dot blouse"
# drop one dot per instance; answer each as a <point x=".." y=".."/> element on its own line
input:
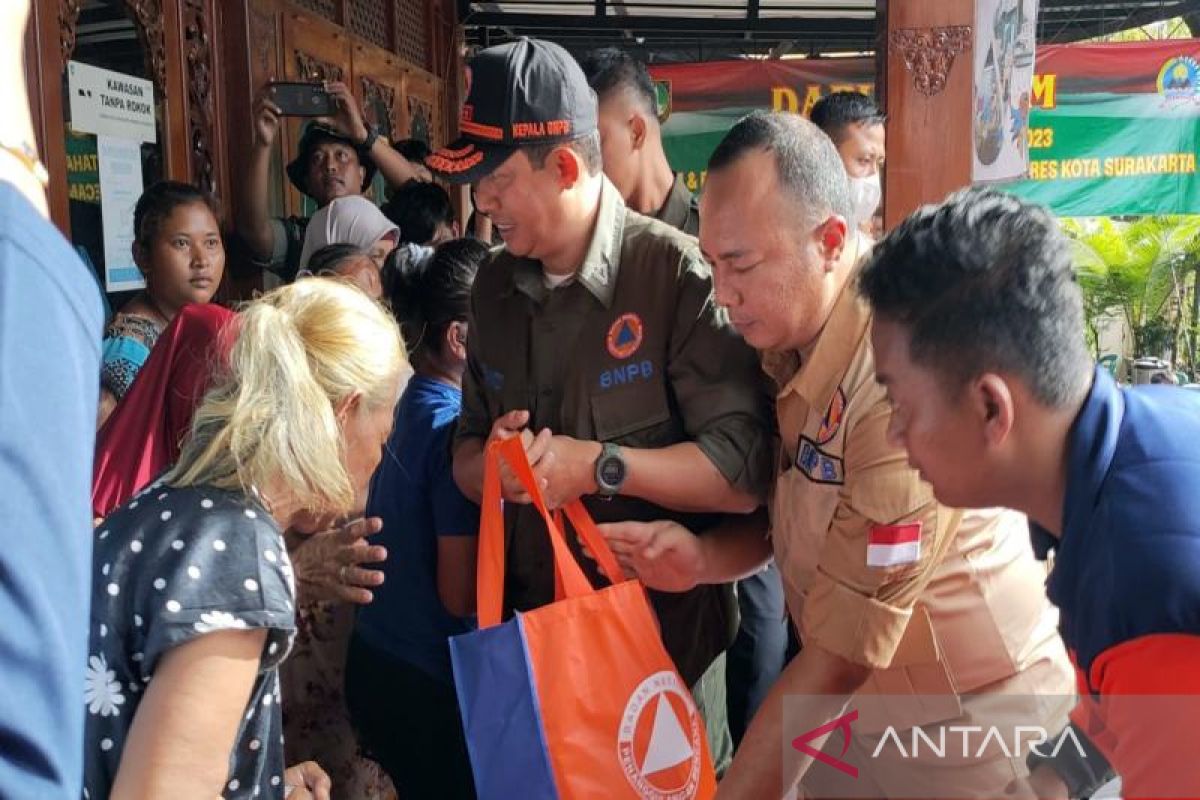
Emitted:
<point x="171" y="565"/>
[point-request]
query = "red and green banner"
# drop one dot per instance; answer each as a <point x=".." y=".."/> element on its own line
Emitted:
<point x="1115" y="129"/>
<point x="700" y="102"/>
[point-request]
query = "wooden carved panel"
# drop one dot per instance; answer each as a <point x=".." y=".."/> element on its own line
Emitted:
<point x="311" y="68"/>
<point x="314" y="50"/>
<point x="198" y="47"/>
<point x="68" y="18"/>
<point x="421" y="119"/>
<point x="263" y="38"/>
<point x="423" y="104"/>
<point x="379" y="107"/>
<point x="149" y="17"/>
<point x="929" y="54"/>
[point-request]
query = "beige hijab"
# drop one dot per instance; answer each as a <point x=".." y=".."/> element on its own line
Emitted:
<point x="347" y="220"/>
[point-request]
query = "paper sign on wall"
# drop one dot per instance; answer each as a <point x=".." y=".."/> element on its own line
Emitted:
<point x="1004" y="47"/>
<point x="120" y="188"/>
<point x="110" y="103"/>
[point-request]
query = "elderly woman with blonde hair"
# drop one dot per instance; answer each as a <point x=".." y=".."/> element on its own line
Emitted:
<point x="193" y="600"/>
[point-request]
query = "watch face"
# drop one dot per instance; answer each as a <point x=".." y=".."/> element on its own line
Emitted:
<point x="612" y="471"/>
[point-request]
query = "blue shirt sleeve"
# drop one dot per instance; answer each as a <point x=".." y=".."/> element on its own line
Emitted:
<point x="50" y="328"/>
<point x="453" y="513"/>
<point x="122" y="357"/>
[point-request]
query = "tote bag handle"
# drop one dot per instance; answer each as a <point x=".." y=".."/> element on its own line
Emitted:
<point x="570" y="580"/>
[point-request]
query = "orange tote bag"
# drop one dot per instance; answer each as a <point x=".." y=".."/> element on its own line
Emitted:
<point x="577" y="700"/>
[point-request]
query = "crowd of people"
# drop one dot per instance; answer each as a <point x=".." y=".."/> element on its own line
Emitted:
<point x="822" y="451"/>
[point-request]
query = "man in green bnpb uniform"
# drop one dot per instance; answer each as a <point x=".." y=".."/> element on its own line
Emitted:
<point x="595" y="328"/>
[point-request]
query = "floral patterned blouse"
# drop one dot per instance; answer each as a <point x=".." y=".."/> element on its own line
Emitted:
<point x="170" y="565"/>
<point x="128" y="340"/>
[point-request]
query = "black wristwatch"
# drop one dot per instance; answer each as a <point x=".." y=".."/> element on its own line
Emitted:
<point x="610" y="471"/>
<point x="369" y="142"/>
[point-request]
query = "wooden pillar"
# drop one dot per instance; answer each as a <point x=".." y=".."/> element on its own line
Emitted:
<point x="46" y="42"/>
<point x="926" y="57"/>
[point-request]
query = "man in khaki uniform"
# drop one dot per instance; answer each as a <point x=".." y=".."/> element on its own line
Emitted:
<point x="893" y="595"/>
<point x="595" y="327"/>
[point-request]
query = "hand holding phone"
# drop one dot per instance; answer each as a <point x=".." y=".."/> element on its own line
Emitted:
<point x="294" y="99"/>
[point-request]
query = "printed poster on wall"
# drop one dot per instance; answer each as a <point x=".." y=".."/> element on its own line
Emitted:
<point x="111" y="103"/>
<point x="1005" y="38"/>
<point x="120" y="187"/>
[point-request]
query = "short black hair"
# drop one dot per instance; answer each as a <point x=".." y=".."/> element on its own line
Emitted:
<point x="418" y="208"/>
<point x="836" y="112"/>
<point x="587" y="147"/>
<point x="427" y="294"/>
<point x="414" y="150"/>
<point x="985" y="282"/>
<point x="609" y="68"/>
<point x="158" y="202"/>
<point x="808" y="166"/>
<point x="331" y="256"/>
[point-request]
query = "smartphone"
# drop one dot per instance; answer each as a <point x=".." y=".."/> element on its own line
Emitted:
<point x="302" y="99"/>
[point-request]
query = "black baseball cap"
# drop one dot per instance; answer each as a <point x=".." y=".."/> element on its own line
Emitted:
<point x="316" y="133"/>
<point x="520" y="93"/>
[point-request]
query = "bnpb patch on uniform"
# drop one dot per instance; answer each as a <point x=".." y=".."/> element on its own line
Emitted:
<point x="817" y="465"/>
<point x="625" y="336"/>
<point x="832" y="422"/>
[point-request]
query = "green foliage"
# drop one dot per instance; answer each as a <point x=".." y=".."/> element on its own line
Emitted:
<point x="1145" y="270"/>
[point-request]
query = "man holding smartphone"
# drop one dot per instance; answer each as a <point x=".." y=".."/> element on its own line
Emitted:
<point x="338" y="156"/>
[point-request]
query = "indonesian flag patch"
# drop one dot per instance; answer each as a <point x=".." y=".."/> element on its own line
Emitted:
<point x="894" y="545"/>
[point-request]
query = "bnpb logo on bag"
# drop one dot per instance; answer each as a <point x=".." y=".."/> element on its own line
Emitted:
<point x="659" y="742"/>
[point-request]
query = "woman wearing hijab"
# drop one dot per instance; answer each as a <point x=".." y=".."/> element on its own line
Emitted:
<point x="141" y="437"/>
<point x="350" y="220"/>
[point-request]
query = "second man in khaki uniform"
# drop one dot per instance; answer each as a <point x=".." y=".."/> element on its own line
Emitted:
<point x="892" y="593"/>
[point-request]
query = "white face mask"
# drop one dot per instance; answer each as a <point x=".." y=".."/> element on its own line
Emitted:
<point x="865" y="194"/>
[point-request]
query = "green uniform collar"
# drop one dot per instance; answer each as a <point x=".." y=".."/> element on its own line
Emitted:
<point x="601" y="261"/>
<point x="677" y="209"/>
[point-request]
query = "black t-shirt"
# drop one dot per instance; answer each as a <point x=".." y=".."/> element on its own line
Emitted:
<point x="170" y="565"/>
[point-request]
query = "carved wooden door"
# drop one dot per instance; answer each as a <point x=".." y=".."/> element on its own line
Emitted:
<point x="379" y="86"/>
<point x="423" y="106"/>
